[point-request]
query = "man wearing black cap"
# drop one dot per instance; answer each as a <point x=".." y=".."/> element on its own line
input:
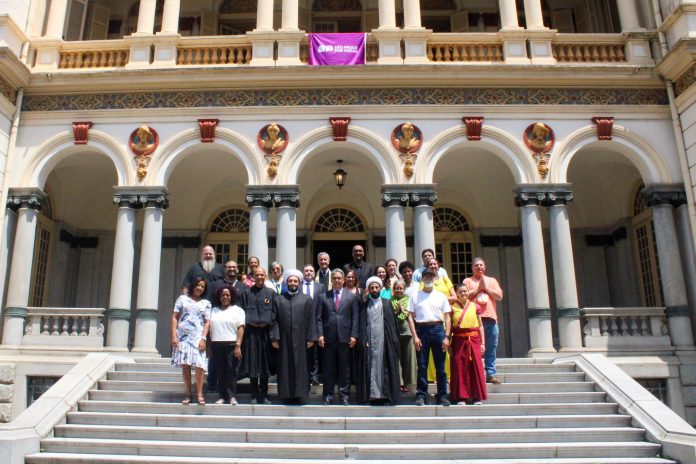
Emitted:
<point x="427" y="312"/>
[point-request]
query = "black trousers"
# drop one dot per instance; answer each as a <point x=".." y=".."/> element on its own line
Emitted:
<point x="226" y="369"/>
<point x="335" y="364"/>
<point x="259" y="390"/>
<point x="313" y="363"/>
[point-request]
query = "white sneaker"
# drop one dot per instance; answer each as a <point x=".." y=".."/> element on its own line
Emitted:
<point x="233" y="401"/>
<point x="461" y="403"/>
<point x="477" y="403"/>
<point x="220" y="401"/>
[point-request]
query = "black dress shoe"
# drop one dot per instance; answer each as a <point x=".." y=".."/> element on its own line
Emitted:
<point x="345" y="402"/>
<point x="327" y="401"/>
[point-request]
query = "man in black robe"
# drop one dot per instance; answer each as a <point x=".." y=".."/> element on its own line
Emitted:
<point x="206" y="268"/>
<point x="297" y="333"/>
<point x="258" y="357"/>
<point x="378" y="379"/>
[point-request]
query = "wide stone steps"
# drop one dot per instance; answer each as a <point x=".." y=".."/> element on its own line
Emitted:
<point x="542" y="413"/>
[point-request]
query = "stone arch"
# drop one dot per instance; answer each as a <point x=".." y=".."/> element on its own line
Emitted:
<point x="493" y="140"/>
<point x="62" y="146"/>
<point x="168" y="156"/>
<point x="643" y="156"/>
<point x="359" y="139"/>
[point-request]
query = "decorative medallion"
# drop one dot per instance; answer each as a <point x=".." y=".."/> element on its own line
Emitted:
<point x="473" y="124"/>
<point x="407" y="139"/>
<point x="340" y="128"/>
<point x="272" y="139"/>
<point x="605" y="126"/>
<point x="207" y="128"/>
<point x="81" y="131"/>
<point x="540" y="138"/>
<point x="143" y="142"/>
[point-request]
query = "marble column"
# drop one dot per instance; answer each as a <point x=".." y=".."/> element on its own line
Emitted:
<point x="412" y="14"/>
<point x="628" y="15"/>
<point x="569" y="330"/>
<point x="533" y="14"/>
<point x="662" y="200"/>
<point x="154" y="201"/>
<point x="688" y="254"/>
<point x="9" y="228"/>
<point x="423" y="231"/>
<point x="170" y="16"/>
<point x="289" y="17"/>
<point x="287" y="202"/>
<point x="259" y="202"/>
<point x="394" y="204"/>
<point x="264" y="15"/>
<point x="146" y="17"/>
<point x="535" y="280"/>
<point x="387" y="14"/>
<point x="28" y="202"/>
<point x="56" y="19"/>
<point x="508" y="14"/>
<point x="119" y="312"/>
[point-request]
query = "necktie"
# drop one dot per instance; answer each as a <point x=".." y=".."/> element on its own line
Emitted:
<point x="337" y="300"/>
<point x="307" y="289"/>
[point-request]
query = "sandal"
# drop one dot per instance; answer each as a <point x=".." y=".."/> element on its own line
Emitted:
<point x="201" y="401"/>
<point x="186" y="401"/>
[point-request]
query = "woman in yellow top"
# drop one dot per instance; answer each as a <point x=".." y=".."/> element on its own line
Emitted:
<point x="443" y="285"/>
<point x="468" y="379"/>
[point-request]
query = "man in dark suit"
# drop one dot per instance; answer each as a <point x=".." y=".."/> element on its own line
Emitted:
<point x="337" y="326"/>
<point x="312" y="289"/>
<point x="361" y="267"/>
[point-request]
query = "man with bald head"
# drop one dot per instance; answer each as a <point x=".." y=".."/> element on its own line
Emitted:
<point x="206" y="268"/>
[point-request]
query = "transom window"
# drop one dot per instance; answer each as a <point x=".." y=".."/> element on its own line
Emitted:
<point x="449" y="220"/>
<point x="339" y="220"/>
<point x="454" y="242"/>
<point x="231" y="220"/>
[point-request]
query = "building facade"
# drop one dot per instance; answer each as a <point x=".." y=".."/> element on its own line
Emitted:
<point x="588" y="228"/>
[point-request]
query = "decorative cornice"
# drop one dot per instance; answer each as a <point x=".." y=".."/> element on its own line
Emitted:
<point x="656" y="195"/>
<point x="346" y="97"/>
<point x="8" y="91"/>
<point x="31" y="198"/>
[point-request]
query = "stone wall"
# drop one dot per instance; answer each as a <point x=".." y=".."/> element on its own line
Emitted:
<point x="7" y="376"/>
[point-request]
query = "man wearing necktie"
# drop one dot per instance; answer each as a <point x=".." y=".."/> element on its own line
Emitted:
<point x="324" y="272"/>
<point x="337" y="326"/>
<point x="312" y="289"/>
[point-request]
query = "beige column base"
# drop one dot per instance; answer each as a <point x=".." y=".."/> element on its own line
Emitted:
<point x="140" y="50"/>
<point x="389" y="41"/>
<point x="289" y="47"/>
<point x="514" y="45"/>
<point x="262" y="48"/>
<point x="165" y="50"/>
<point x="540" y="49"/>
<point x="47" y="53"/>
<point x="416" y="45"/>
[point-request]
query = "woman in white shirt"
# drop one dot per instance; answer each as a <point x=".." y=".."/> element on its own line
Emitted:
<point x="226" y="334"/>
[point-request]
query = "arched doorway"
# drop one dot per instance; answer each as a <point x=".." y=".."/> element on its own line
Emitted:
<point x="454" y="242"/>
<point x="335" y="232"/>
<point x="228" y="234"/>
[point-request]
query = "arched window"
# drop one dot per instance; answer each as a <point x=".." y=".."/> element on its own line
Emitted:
<point x="231" y="220"/>
<point x="454" y="242"/>
<point x="339" y="220"/>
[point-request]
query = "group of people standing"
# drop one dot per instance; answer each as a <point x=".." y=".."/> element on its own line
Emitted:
<point x="379" y="327"/>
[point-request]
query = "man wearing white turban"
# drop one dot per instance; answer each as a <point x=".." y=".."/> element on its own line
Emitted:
<point x="297" y="334"/>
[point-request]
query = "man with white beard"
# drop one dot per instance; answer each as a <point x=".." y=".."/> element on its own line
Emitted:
<point x="206" y="268"/>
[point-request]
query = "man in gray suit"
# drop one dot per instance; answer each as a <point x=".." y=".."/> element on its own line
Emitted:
<point x="337" y="326"/>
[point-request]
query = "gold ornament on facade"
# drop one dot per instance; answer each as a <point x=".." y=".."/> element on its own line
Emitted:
<point x="272" y="169"/>
<point x="407" y="139"/>
<point x="272" y="139"/>
<point x="539" y="138"/>
<point x="143" y="142"/>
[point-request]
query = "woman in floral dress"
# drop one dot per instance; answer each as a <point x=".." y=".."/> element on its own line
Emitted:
<point x="190" y="325"/>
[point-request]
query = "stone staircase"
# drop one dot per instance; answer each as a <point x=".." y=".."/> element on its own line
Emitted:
<point x="542" y="413"/>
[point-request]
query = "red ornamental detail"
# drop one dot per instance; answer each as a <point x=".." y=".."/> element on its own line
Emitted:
<point x="81" y="131"/>
<point x="340" y="128"/>
<point x="473" y="127"/>
<point x="605" y="125"/>
<point x="207" y="127"/>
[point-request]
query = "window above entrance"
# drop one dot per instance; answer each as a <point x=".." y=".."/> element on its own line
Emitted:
<point x="231" y="220"/>
<point x="449" y="220"/>
<point x="339" y="220"/>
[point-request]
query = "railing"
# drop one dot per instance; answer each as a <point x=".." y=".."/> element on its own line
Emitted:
<point x="462" y="48"/>
<point x="625" y="328"/>
<point x="100" y="54"/>
<point x="371" y="50"/>
<point x="213" y="50"/>
<point x="69" y="327"/>
<point x="585" y="48"/>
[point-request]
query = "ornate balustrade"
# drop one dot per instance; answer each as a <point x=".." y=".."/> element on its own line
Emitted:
<point x="93" y="54"/>
<point x="589" y="48"/>
<point x="628" y="329"/>
<point x="462" y="48"/>
<point x="371" y="50"/>
<point x="68" y="327"/>
<point x="213" y="50"/>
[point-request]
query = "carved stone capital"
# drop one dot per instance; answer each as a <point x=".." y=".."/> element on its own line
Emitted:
<point x="473" y="124"/>
<point x="207" y="128"/>
<point x="130" y="198"/>
<point x="340" y="128"/>
<point x="278" y="196"/>
<point x="157" y="197"/>
<point x="423" y="198"/>
<point x="286" y="199"/>
<point x="256" y="198"/>
<point x="558" y="198"/>
<point x="81" y="131"/>
<point x="656" y="195"/>
<point x="530" y="198"/>
<point x="31" y="198"/>
<point x="394" y="198"/>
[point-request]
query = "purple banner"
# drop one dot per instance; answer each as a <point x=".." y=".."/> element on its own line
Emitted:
<point x="337" y="49"/>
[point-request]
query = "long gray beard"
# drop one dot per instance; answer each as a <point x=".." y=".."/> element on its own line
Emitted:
<point x="208" y="266"/>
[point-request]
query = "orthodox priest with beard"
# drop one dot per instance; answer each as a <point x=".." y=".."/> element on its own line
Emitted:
<point x="206" y="268"/>
<point x="297" y="332"/>
<point x="378" y="378"/>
